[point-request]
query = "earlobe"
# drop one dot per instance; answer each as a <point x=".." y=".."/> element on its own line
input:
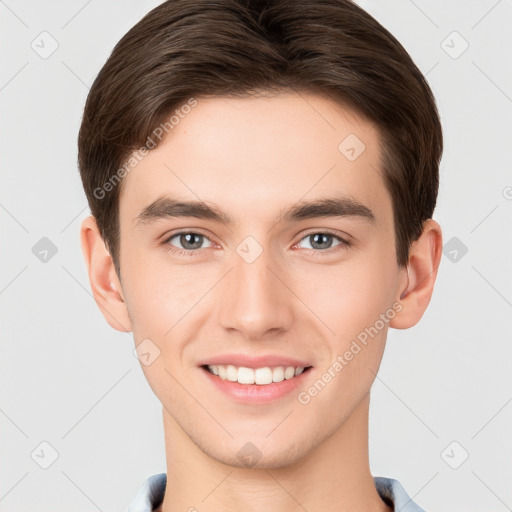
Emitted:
<point x="105" y="285"/>
<point x="424" y="258"/>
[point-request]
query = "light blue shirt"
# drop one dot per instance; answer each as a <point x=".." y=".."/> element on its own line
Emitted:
<point x="151" y="495"/>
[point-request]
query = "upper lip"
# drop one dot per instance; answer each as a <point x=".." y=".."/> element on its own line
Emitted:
<point x="253" y="361"/>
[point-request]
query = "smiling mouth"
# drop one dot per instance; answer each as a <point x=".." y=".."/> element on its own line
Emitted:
<point x="260" y="376"/>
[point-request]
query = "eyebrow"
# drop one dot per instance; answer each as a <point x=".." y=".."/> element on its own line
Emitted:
<point x="168" y="207"/>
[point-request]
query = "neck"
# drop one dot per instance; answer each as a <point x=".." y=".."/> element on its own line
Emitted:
<point x="333" y="477"/>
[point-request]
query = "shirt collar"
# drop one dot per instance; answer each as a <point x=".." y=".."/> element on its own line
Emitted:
<point x="151" y="495"/>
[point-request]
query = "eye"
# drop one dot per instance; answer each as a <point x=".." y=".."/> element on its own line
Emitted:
<point x="190" y="243"/>
<point x="323" y="240"/>
<point x="188" y="240"/>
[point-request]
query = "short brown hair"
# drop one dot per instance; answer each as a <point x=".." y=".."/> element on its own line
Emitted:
<point x="186" y="49"/>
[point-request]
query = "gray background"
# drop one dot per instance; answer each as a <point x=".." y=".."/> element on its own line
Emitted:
<point x="66" y="378"/>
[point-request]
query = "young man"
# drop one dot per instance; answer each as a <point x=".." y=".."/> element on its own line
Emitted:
<point x="262" y="177"/>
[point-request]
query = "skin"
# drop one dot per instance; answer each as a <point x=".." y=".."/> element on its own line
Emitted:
<point x="252" y="158"/>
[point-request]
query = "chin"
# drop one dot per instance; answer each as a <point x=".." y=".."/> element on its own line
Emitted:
<point x="259" y="453"/>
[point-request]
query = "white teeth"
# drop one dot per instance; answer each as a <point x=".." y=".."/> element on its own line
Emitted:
<point x="231" y="373"/>
<point x="278" y="374"/>
<point x="260" y="376"/>
<point x="289" y="372"/>
<point x="245" y="375"/>
<point x="263" y="376"/>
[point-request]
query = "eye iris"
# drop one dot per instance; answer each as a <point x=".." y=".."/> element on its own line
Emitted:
<point x="185" y="238"/>
<point x="320" y="239"/>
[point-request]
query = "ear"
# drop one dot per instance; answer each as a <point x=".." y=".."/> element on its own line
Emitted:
<point x="105" y="284"/>
<point x="419" y="276"/>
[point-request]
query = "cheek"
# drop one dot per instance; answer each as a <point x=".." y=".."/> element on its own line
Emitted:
<point x="346" y="297"/>
<point x="162" y="297"/>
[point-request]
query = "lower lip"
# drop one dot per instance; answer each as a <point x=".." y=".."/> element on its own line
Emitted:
<point x="256" y="393"/>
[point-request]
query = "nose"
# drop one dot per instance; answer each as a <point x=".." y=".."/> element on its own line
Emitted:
<point x="255" y="300"/>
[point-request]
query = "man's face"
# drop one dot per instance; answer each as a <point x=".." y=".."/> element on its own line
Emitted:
<point x="265" y="284"/>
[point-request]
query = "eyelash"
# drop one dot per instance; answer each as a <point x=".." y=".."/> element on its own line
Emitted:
<point x="194" y="252"/>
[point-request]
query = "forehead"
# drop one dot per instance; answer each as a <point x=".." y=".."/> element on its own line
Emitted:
<point x="261" y="151"/>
